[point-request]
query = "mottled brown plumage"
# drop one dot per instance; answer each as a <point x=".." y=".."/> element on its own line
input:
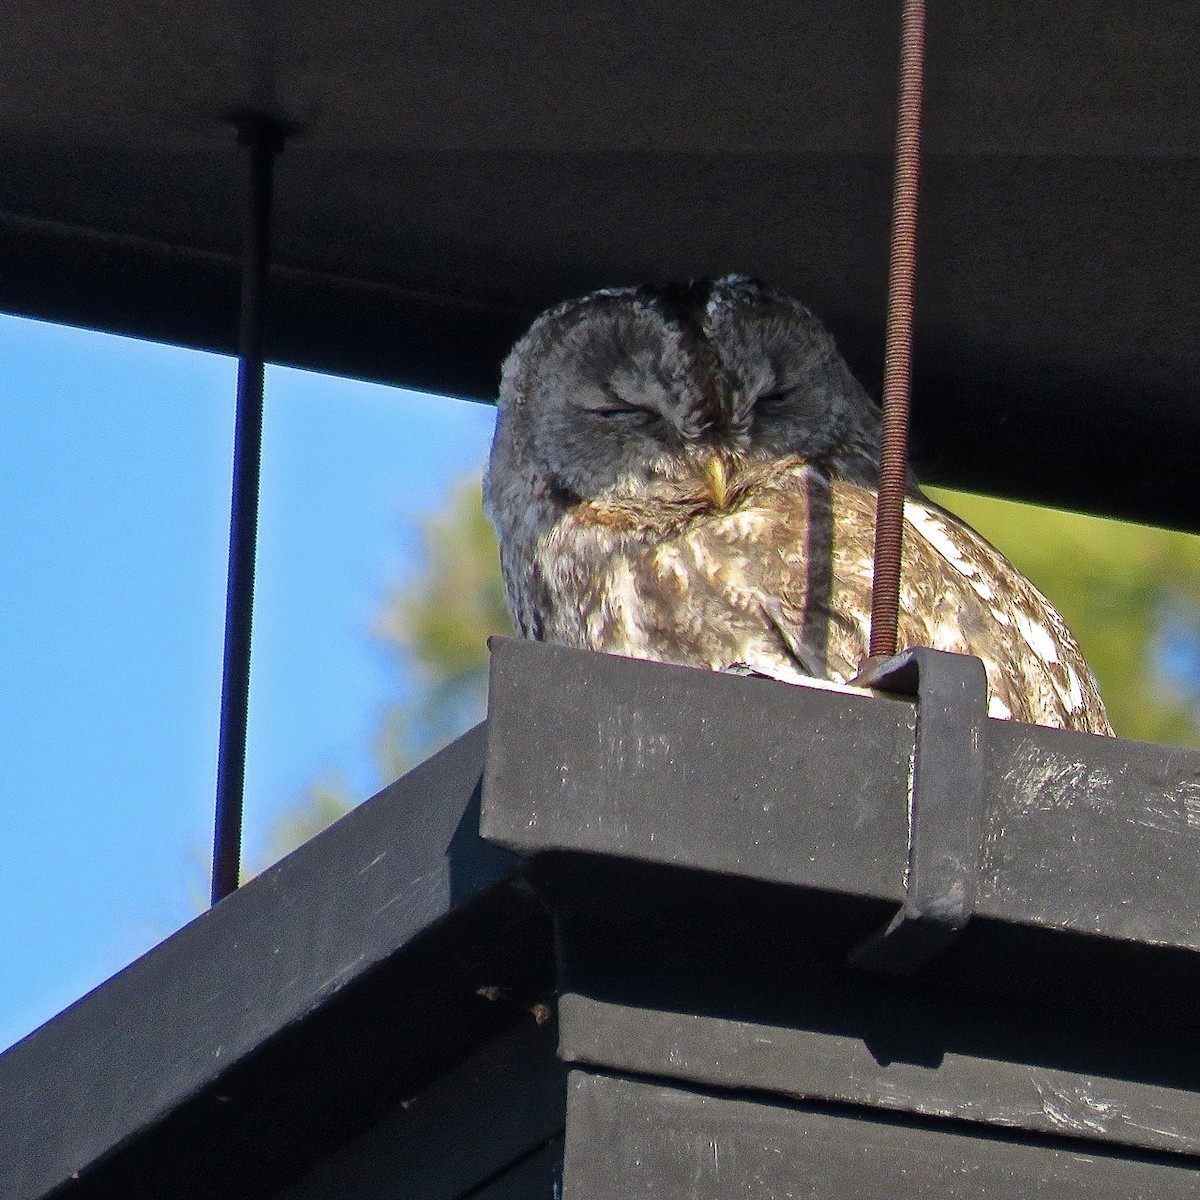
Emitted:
<point x="687" y="475"/>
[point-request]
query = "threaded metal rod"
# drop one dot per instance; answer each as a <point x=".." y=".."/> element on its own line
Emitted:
<point x="897" y="367"/>
<point x="262" y="140"/>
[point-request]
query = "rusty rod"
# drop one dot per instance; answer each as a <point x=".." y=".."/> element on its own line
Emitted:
<point x="897" y="367"/>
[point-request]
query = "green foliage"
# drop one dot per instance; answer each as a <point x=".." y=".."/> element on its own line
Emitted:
<point x="434" y="626"/>
<point x="1113" y="582"/>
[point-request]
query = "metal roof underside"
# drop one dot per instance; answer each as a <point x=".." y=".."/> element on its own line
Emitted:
<point x="453" y="170"/>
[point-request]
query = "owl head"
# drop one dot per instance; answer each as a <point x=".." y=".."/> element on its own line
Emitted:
<point x="607" y="393"/>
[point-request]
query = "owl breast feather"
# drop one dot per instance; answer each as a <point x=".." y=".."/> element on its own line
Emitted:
<point x="778" y="577"/>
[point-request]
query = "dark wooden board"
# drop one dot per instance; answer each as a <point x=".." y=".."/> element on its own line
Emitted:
<point x="662" y="764"/>
<point x="538" y="1177"/>
<point x="491" y="1117"/>
<point x="631" y="1138"/>
<point x="193" y="1052"/>
<point x="1095" y="835"/>
<point x="807" y="787"/>
<point x="1042" y="1070"/>
<point x="691" y="857"/>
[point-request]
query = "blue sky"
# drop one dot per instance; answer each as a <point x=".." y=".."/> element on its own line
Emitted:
<point x="114" y="482"/>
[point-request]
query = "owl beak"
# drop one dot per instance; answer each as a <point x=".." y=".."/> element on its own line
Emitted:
<point x="716" y="476"/>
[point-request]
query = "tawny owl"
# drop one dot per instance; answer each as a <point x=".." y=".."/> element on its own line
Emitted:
<point x="688" y="473"/>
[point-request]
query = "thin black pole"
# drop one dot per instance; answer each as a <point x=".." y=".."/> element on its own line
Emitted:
<point x="262" y="141"/>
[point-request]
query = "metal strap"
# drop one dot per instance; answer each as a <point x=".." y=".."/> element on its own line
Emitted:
<point x="945" y="806"/>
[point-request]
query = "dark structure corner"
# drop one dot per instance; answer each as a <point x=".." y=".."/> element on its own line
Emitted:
<point x="549" y="963"/>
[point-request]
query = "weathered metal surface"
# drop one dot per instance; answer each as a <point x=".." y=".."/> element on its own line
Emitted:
<point x="629" y="1138"/>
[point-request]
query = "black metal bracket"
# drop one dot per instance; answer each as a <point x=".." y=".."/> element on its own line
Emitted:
<point x="945" y="815"/>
